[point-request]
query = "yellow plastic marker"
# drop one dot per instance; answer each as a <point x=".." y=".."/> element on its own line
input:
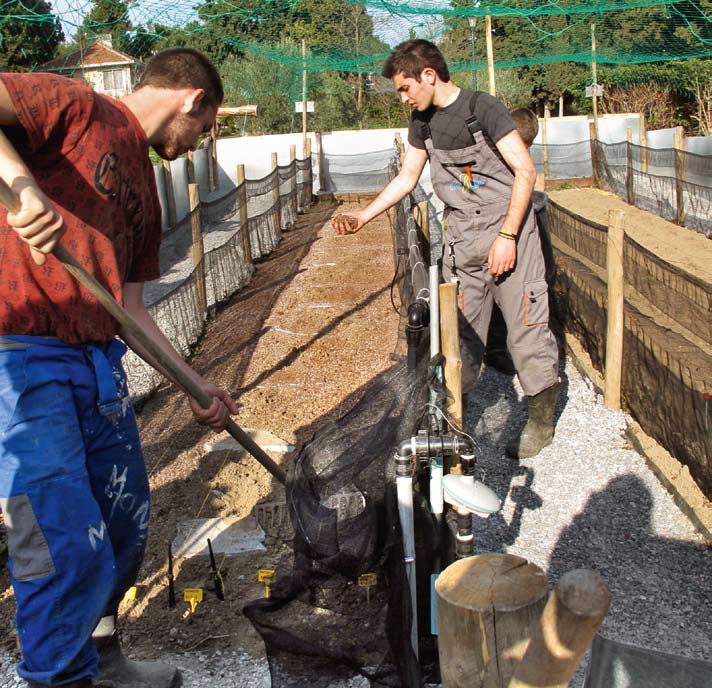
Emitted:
<point x="265" y="576"/>
<point x="192" y="596"/>
<point x="131" y="594"/>
<point x="367" y="580"/>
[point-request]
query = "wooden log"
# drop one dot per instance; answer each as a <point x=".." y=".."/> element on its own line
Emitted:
<point x="614" y="310"/>
<point x="275" y="191"/>
<point x="568" y="624"/>
<point x="680" y="174"/>
<point x="198" y="249"/>
<point x="630" y="196"/>
<point x="485" y="606"/>
<point x="450" y="343"/>
<point x="239" y="111"/>
<point x="244" y="222"/>
<point x="170" y="194"/>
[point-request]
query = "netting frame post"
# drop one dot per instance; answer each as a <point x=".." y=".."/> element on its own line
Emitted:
<point x="198" y="249"/>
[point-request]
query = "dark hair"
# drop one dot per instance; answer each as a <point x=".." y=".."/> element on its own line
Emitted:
<point x="412" y="57"/>
<point x="527" y="125"/>
<point x="184" y="68"/>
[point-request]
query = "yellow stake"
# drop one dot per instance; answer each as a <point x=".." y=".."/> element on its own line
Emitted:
<point x="192" y="596"/>
<point x="265" y="576"/>
<point x="367" y="580"/>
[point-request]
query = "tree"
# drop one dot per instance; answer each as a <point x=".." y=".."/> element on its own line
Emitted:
<point x="30" y="35"/>
<point x="107" y="17"/>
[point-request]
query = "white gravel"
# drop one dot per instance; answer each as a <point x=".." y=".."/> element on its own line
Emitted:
<point x="588" y="500"/>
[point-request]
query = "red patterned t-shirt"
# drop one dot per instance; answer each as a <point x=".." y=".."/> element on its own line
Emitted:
<point x="89" y="155"/>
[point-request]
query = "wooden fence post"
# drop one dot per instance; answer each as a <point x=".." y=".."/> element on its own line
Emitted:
<point x="275" y="191"/>
<point x="614" y="328"/>
<point x="629" y="195"/>
<point x="170" y="194"/>
<point x="594" y="154"/>
<point x="320" y="161"/>
<point x="198" y="250"/>
<point x="400" y="148"/>
<point x="644" y="144"/>
<point x="213" y="160"/>
<point x="293" y="172"/>
<point x="450" y="342"/>
<point x="680" y="174"/>
<point x="191" y="168"/>
<point x="473" y="594"/>
<point x="568" y="624"/>
<point x="244" y="222"/>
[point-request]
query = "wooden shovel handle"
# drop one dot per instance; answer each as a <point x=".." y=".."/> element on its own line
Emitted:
<point x="10" y="200"/>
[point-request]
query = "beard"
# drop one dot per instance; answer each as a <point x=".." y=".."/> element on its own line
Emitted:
<point x="171" y="147"/>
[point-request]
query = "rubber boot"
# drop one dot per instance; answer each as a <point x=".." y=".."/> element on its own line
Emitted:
<point x="539" y="430"/>
<point x="116" y="671"/>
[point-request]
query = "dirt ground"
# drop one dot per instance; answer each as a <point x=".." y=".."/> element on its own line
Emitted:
<point x="296" y="348"/>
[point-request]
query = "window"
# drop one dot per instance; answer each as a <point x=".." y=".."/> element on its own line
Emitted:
<point x="114" y="81"/>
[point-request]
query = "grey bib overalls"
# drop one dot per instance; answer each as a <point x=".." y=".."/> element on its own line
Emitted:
<point x="476" y="188"/>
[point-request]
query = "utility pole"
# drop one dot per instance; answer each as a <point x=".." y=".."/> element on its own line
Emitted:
<point x="304" y="94"/>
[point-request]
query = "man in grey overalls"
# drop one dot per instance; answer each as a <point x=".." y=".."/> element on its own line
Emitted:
<point x="482" y="171"/>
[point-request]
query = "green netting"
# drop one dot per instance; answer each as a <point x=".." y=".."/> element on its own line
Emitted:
<point x="268" y="51"/>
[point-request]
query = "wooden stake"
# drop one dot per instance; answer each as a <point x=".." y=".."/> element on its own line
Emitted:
<point x="198" y="250"/>
<point x="594" y="155"/>
<point x="191" y="168"/>
<point x="304" y="93"/>
<point x="630" y="197"/>
<point x="275" y="191"/>
<point x="213" y="158"/>
<point x="614" y="329"/>
<point x="680" y="174"/>
<point x="568" y="624"/>
<point x="486" y="605"/>
<point x="540" y="183"/>
<point x="450" y="342"/>
<point x="545" y="145"/>
<point x="170" y="194"/>
<point x="244" y="222"/>
<point x="490" y="55"/>
<point x="320" y="161"/>
<point x="643" y="144"/>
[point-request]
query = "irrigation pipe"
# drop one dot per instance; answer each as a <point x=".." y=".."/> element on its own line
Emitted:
<point x="9" y="199"/>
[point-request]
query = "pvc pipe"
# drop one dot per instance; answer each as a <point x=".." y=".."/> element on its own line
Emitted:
<point x="436" y="486"/>
<point x="434" y="274"/>
<point x="404" y="489"/>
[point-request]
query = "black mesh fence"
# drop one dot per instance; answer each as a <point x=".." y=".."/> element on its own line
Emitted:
<point x="671" y="183"/>
<point x="229" y="232"/>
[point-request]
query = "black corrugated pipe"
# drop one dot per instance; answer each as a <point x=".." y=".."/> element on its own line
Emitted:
<point x="418" y="320"/>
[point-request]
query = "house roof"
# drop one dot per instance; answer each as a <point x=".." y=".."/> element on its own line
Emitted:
<point x="96" y="55"/>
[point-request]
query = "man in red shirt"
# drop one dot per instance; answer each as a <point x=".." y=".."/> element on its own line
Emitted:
<point x="73" y="483"/>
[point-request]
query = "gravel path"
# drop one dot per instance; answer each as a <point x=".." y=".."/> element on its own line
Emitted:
<point x="587" y="500"/>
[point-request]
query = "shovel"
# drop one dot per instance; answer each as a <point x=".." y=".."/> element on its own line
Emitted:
<point x="9" y="199"/>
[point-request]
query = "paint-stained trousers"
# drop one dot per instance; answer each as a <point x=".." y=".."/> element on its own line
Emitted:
<point x="74" y="497"/>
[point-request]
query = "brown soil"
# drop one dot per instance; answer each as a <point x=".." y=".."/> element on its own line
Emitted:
<point x="296" y="349"/>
